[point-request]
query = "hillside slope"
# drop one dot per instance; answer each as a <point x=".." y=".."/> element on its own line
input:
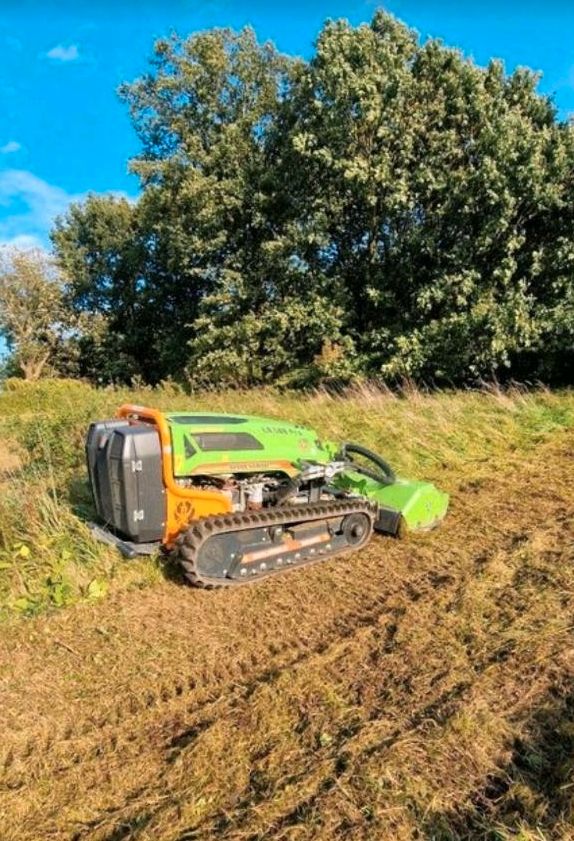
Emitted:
<point x="419" y="689"/>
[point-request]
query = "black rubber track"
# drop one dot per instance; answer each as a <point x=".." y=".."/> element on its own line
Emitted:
<point x="194" y="537"/>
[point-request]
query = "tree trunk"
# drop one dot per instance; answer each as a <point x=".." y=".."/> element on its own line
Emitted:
<point x="32" y="368"/>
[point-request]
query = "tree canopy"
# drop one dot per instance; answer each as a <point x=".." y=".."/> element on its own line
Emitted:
<point x="387" y="208"/>
<point x="34" y="317"/>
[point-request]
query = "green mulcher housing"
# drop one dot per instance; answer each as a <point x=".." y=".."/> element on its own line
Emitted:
<point x="236" y="498"/>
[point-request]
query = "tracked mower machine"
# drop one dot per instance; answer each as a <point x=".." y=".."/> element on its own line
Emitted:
<point x="238" y="498"/>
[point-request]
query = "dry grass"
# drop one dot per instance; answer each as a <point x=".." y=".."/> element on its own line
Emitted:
<point x="10" y="461"/>
<point x="419" y="690"/>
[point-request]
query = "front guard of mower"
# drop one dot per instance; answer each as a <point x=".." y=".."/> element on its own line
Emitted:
<point x="403" y="505"/>
<point x="419" y="505"/>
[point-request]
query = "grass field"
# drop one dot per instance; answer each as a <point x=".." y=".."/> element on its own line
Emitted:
<point x="422" y="689"/>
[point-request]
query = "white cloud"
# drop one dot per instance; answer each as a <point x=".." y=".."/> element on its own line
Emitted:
<point x="62" y="53"/>
<point x="30" y="206"/>
<point x="24" y="242"/>
<point x="11" y="146"/>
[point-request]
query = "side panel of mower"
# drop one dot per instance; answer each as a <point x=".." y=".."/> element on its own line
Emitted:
<point x="182" y="504"/>
<point x="98" y="433"/>
<point x="214" y="444"/>
<point x="126" y="475"/>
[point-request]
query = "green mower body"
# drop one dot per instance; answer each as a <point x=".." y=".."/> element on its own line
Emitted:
<point x="210" y="443"/>
<point x="236" y="496"/>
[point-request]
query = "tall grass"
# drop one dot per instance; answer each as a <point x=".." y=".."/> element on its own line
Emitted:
<point x="47" y="556"/>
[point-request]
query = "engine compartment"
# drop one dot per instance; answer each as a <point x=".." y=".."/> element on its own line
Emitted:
<point x="254" y="491"/>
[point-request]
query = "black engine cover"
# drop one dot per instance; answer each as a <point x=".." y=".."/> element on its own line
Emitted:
<point x="124" y="464"/>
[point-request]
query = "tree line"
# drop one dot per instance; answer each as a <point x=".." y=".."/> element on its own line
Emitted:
<point x="385" y="209"/>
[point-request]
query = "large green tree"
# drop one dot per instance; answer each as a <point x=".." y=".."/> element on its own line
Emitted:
<point x="208" y="117"/>
<point x="101" y="247"/>
<point x="434" y="192"/>
<point x="386" y="208"/>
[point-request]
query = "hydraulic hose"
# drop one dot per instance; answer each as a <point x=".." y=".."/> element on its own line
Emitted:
<point x="384" y="474"/>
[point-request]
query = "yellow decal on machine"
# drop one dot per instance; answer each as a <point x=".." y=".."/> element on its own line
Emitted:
<point x="245" y="467"/>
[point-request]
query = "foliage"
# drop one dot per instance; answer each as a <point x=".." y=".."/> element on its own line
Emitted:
<point x="98" y="247"/>
<point x="440" y="189"/>
<point x="388" y="208"/>
<point x="33" y="316"/>
<point x="299" y="342"/>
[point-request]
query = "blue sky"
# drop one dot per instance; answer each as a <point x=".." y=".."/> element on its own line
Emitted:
<point x="63" y="131"/>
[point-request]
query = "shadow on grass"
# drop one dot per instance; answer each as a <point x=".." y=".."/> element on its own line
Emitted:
<point x="82" y="506"/>
<point x="80" y="499"/>
<point x="534" y="793"/>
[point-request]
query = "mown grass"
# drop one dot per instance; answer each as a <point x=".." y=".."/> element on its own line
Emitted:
<point x="420" y="689"/>
<point x="47" y="556"/>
